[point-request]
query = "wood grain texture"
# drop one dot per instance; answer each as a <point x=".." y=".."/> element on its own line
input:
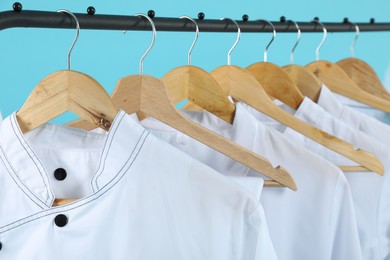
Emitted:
<point x="364" y="76"/>
<point x="308" y="84"/>
<point x="199" y="87"/>
<point x="66" y="91"/>
<point x="339" y="82"/>
<point x="353" y="169"/>
<point x="61" y="202"/>
<point x="277" y="83"/>
<point x="149" y="95"/>
<point x="240" y="84"/>
<point x="192" y="107"/>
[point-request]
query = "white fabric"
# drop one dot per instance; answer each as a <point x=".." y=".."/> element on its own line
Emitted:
<point x="317" y="221"/>
<point x="367" y="124"/>
<point x="374" y="128"/>
<point x="360" y="107"/>
<point x="253" y="184"/>
<point x="370" y="191"/>
<point x="144" y="199"/>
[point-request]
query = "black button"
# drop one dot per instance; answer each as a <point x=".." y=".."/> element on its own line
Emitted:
<point x="1" y="246"/>
<point x="61" y="220"/>
<point x="60" y="174"/>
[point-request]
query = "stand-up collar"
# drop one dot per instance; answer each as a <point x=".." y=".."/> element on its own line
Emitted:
<point x="28" y="170"/>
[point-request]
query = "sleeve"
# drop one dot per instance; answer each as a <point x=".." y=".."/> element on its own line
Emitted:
<point x="257" y="242"/>
<point x="342" y="224"/>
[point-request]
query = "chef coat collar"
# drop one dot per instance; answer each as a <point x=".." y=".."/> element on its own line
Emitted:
<point x="245" y="131"/>
<point x="27" y="170"/>
<point x="243" y="123"/>
<point x="330" y="103"/>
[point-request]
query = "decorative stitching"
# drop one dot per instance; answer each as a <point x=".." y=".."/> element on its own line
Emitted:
<point x="102" y="161"/>
<point x="72" y="131"/>
<point x="45" y="181"/>
<point x="87" y="200"/>
<point x="8" y="165"/>
<point x="139" y="150"/>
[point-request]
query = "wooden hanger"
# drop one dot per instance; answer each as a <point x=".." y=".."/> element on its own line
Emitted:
<point x="240" y="84"/>
<point x="149" y="96"/>
<point x="338" y="81"/>
<point x="244" y="87"/>
<point x="274" y="80"/>
<point x="305" y="80"/>
<point x="64" y="91"/>
<point x="361" y="72"/>
<point x="307" y="83"/>
<point x="67" y="91"/>
<point x="195" y="84"/>
<point x="364" y="76"/>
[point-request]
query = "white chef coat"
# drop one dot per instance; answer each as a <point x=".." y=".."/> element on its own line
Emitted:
<point x="370" y="191"/>
<point x="146" y="200"/>
<point x="253" y="184"/>
<point x="367" y="124"/>
<point x="357" y="106"/>
<point x="317" y="221"/>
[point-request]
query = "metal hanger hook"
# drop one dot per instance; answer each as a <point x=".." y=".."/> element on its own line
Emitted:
<point x="237" y="39"/>
<point x="76" y="36"/>
<point x="196" y="36"/>
<point x="323" y="39"/>
<point x="273" y="38"/>
<point x="297" y="42"/>
<point x="357" y="30"/>
<point x="141" y="61"/>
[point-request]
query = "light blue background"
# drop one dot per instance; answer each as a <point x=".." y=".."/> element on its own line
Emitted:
<point x="28" y="55"/>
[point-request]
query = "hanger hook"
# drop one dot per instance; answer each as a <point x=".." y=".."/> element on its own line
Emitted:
<point x="296" y="43"/>
<point x="237" y="39"/>
<point x="273" y="38"/>
<point x="323" y="39"/>
<point x="195" y="39"/>
<point x="357" y="30"/>
<point x="141" y="61"/>
<point x="77" y="33"/>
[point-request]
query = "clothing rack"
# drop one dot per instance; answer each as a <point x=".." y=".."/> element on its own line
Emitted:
<point x="44" y="19"/>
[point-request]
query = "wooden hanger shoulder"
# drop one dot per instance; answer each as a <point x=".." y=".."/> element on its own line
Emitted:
<point x="240" y="83"/>
<point x="227" y="77"/>
<point x="276" y="83"/>
<point x="150" y="97"/>
<point x="196" y="85"/>
<point x="253" y="94"/>
<point x="338" y="81"/>
<point x="305" y="80"/>
<point x="66" y="90"/>
<point x="364" y="76"/>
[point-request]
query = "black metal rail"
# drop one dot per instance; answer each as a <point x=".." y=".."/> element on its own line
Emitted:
<point x="43" y="19"/>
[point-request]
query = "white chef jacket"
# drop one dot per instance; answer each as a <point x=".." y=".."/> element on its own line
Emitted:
<point x="370" y="191"/>
<point x="367" y="124"/>
<point x="146" y="200"/>
<point x="317" y="221"/>
<point x="356" y="106"/>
